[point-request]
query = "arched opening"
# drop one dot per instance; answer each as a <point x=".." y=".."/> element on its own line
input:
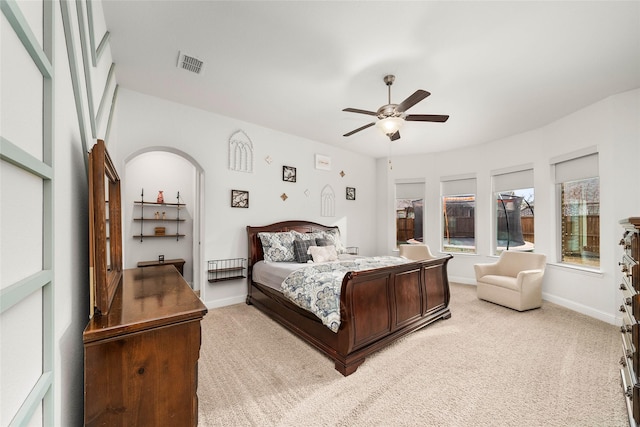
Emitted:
<point x="170" y="230"/>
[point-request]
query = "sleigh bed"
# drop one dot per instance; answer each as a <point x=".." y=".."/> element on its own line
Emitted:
<point x="376" y="306"/>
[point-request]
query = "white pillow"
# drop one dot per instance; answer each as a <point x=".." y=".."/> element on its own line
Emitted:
<point x="323" y="253"/>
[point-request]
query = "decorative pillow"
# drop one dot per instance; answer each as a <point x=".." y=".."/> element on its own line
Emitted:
<point x="301" y="249"/>
<point x="277" y="247"/>
<point x="334" y="236"/>
<point x="306" y="236"/>
<point x="323" y="242"/>
<point x="323" y="253"/>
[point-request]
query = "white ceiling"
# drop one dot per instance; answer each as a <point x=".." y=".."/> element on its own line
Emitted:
<point x="497" y="68"/>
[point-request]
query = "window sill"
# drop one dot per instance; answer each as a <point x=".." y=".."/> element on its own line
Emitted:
<point x="576" y="268"/>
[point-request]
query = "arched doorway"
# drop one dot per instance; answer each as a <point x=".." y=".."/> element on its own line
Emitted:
<point x="180" y="178"/>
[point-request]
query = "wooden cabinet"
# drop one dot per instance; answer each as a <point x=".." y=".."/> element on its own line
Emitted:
<point x="141" y="357"/>
<point x="630" y="330"/>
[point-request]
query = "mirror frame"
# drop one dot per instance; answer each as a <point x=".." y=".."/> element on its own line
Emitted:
<point x="105" y="278"/>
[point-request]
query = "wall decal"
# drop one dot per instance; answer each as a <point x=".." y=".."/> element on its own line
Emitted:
<point x="284" y="197"/>
<point x="289" y="174"/>
<point x="327" y="201"/>
<point x="239" y="199"/>
<point x="268" y="159"/>
<point x="240" y="152"/>
<point x="342" y="174"/>
<point x="307" y="192"/>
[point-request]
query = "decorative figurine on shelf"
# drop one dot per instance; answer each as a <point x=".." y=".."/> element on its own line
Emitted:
<point x="164" y="215"/>
<point x="160" y="197"/>
<point x="157" y="215"/>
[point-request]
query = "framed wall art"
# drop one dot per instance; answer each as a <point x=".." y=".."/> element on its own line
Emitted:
<point x="351" y="193"/>
<point x="239" y="199"/>
<point x="289" y="174"/>
<point x="323" y="162"/>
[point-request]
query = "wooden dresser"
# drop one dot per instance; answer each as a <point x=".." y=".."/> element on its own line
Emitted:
<point x="141" y="357"/>
<point x="630" y="329"/>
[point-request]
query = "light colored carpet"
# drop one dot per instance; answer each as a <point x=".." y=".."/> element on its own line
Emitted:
<point x="486" y="366"/>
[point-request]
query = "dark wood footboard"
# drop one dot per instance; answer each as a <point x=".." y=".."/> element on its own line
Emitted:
<point x="376" y="306"/>
<point x="379" y="306"/>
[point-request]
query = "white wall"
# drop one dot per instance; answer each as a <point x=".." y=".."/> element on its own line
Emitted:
<point x="613" y="125"/>
<point x="144" y="121"/>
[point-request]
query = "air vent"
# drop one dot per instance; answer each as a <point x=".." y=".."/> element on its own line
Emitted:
<point x="190" y="63"/>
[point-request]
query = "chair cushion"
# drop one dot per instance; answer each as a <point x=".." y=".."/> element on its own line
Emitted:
<point x="501" y="281"/>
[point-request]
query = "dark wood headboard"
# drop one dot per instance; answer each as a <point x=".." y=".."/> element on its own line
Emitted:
<point x="255" y="245"/>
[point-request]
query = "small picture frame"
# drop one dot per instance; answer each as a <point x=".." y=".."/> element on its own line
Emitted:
<point x="288" y="173"/>
<point x="239" y="199"/>
<point x="351" y="193"/>
<point x="323" y="162"/>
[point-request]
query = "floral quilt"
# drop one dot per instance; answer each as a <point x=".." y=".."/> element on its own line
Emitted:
<point x="316" y="288"/>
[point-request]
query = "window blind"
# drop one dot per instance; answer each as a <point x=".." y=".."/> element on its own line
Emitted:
<point x="513" y="180"/>
<point x="456" y="187"/>
<point x="577" y="168"/>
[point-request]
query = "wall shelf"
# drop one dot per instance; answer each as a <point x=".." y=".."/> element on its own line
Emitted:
<point x="145" y="236"/>
<point x="142" y="202"/>
<point x="159" y="217"/>
<point x="226" y="269"/>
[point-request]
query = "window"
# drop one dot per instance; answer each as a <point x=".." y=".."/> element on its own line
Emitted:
<point x="409" y="212"/>
<point x="514" y="210"/>
<point x="578" y="186"/>
<point x="458" y="210"/>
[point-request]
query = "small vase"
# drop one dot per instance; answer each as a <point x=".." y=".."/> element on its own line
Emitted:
<point x="160" y="197"/>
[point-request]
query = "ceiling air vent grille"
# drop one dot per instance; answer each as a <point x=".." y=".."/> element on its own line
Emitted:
<point x="190" y="63"/>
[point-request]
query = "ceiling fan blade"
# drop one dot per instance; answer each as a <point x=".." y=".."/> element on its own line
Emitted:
<point x="412" y="100"/>
<point x="355" y="110"/>
<point x="395" y="136"/>
<point x="359" y="129"/>
<point x="426" y="118"/>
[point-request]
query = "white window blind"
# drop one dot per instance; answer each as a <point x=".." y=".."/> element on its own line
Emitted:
<point x="413" y="190"/>
<point x="513" y="180"/>
<point x="455" y="187"/>
<point x="576" y="168"/>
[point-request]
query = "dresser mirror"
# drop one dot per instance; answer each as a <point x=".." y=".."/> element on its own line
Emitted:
<point x="105" y="229"/>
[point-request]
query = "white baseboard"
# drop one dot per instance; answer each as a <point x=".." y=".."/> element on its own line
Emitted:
<point x="571" y="305"/>
<point x="583" y="309"/>
<point x="463" y="280"/>
<point x="226" y="301"/>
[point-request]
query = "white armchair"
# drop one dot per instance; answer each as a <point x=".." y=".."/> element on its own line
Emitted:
<point x="514" y="281"/>
<point x="415" y="252"/>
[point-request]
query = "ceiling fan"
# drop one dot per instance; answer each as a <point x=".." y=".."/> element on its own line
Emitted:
<point x="392" y="116"/>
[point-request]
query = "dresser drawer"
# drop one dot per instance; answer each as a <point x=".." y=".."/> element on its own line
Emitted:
<point x="627" y="242"/>
<point x="628" y="350"/>
<point x="627" y="264"/>
<point x="627" y="308"/>
<point x="631" y="392"/>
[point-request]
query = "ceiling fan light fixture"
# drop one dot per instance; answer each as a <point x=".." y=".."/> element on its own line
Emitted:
<point x="390" y="125"/>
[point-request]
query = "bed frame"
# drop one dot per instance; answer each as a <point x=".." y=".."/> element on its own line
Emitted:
<point x="376" y="306"/>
